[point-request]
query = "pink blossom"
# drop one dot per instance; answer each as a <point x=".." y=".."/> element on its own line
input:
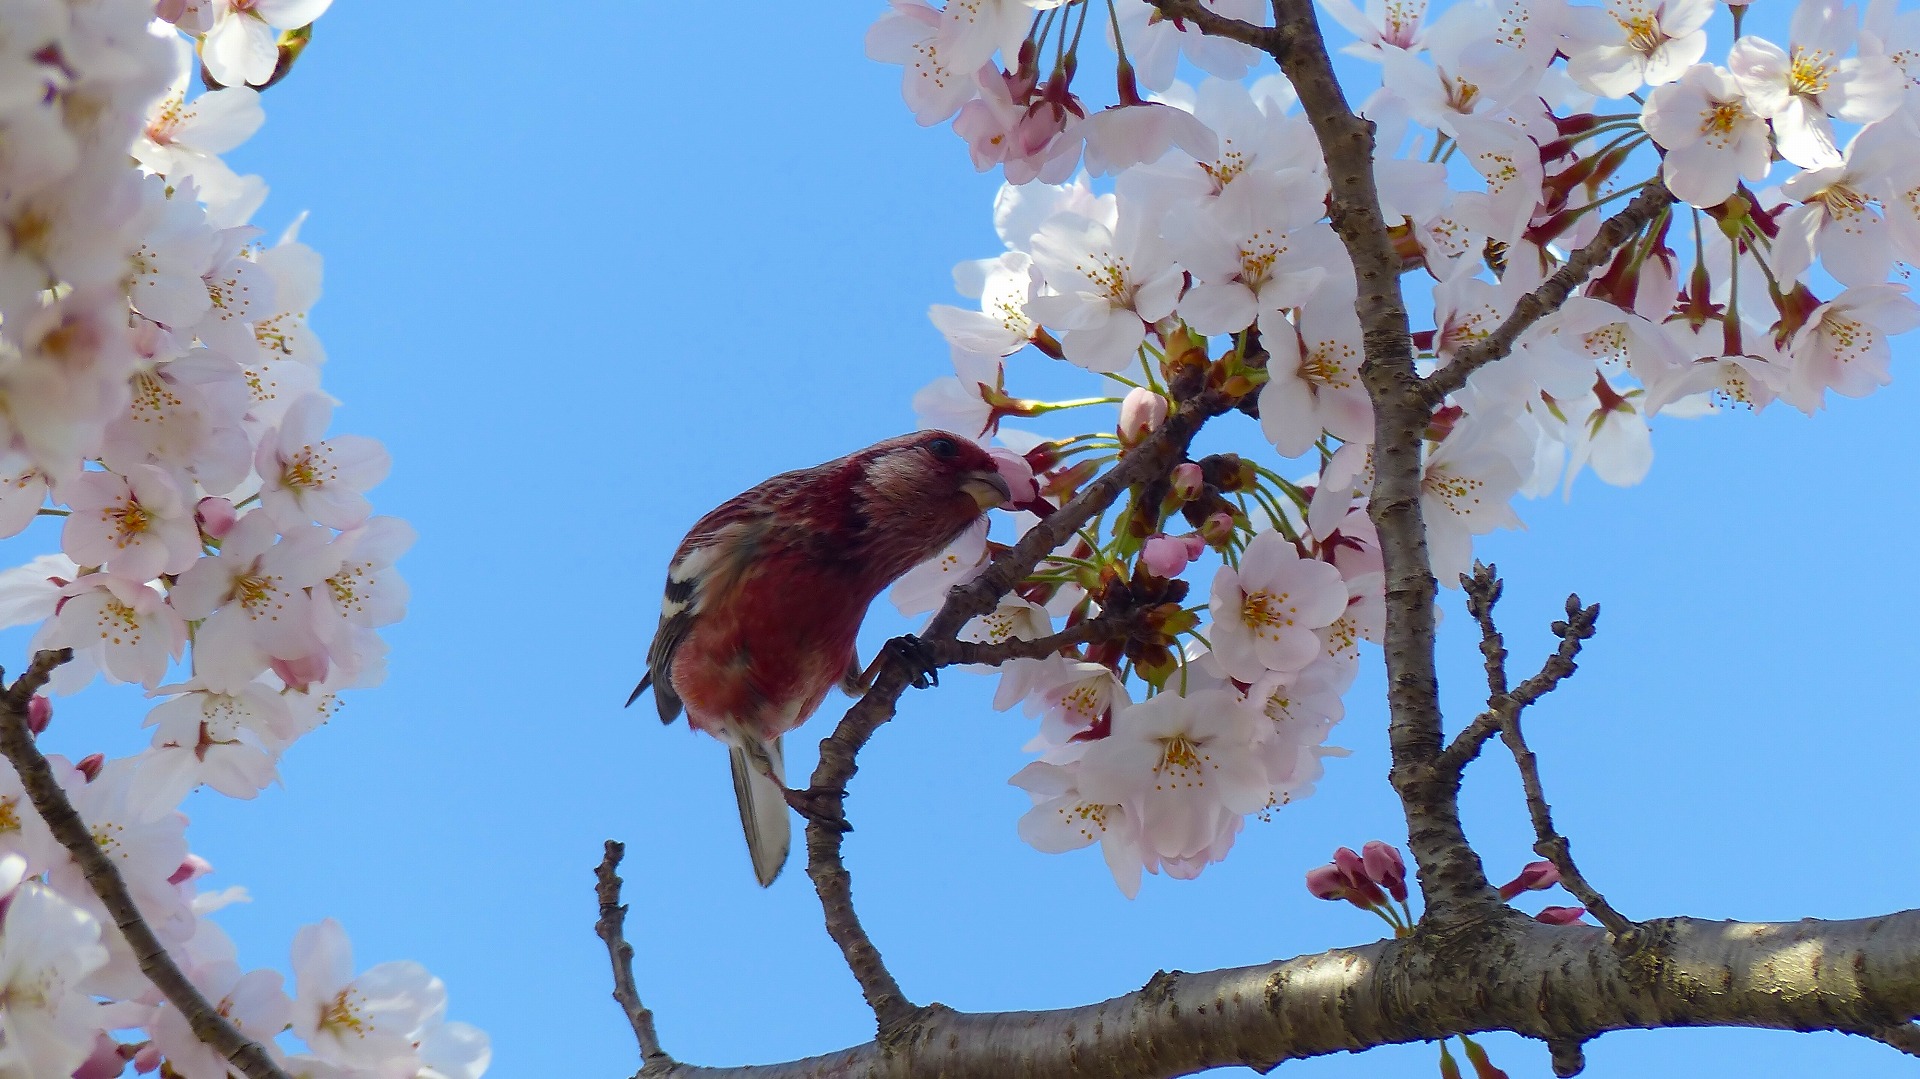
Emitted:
<point x="1167" y="556"/>
<point x="304" y="478"/>
<point x="1266" y="611"/>
<point x="1385" y="868"/>
<point x="1560" y="915"/>
<point x="135" y="525"/>
<point x="1534" y="877"/>
<point x="1142" y="412"/>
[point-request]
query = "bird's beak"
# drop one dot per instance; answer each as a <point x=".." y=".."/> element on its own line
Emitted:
<point x="989" y="489"/>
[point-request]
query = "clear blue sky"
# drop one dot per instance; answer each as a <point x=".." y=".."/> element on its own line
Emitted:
<point x="590" y="273"/>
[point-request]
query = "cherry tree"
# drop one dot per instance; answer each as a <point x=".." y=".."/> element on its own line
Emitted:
<point x="1456" y="284"/>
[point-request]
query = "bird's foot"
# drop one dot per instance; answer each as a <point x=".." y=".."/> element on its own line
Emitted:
<point x="919" y="659"/>
<point x="820" y="805"/>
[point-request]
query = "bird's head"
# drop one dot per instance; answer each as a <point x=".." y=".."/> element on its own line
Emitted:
<point x="922" y="490"/>
<point x="934" y="469"/>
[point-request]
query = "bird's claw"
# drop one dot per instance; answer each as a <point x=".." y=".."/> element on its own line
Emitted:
<point x="820" y="805"/>
<point x="918" y="657"/>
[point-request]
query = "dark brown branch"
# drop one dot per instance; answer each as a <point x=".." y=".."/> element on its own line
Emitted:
<point x="1156" y="454"/>
<point x="16" y="742"/>
<point x="948" y="653"/>
<point x="1553" y="292"/>
<point x="612" y="928"/>
<point x="1211" y="22"/>
<point x="1562" y="985"/>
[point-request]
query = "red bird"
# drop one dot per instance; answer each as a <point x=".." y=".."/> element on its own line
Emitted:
<point x="765" y="597"/>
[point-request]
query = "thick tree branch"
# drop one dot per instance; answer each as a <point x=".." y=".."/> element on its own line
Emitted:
<point x="611" y="928"/>
<point x="1553" y="292"/>
<point x="16" y="742"/>
<point x="1559" y="984"/>
<point x="1451" y="877"/>
<point x="1155" y="455"/>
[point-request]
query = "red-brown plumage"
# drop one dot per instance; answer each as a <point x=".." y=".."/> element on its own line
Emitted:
<point x="766" y="594"/>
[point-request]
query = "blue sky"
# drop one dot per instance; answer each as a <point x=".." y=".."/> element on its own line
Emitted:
<point x="589" y="275"/>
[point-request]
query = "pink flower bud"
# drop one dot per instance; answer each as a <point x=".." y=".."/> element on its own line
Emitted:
<point x="1560" y="915"/>
<point x="1217" y="529"/>
<point x="147" y="1059"/>
<point x="1188" y="481"/>
<point x="90" y="765"/>
<point x="1362" y="890"/>
<point x="1166" y="556"/>
<point x="1535" y="877"/>
<point x="1141" y="413"/>
<point x="1326" y="882"/>
<point x="39" y="713"/>
<point x="170" y="10"/>
<point x="1018" y="472"/>
<point x="215" y="516"/>
<point x="1385" y="868"/>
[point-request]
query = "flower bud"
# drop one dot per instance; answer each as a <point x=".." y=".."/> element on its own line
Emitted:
<point x="1188" y="481"/>
<point x="1217" y="529"/>
<point x="39" y="713"/>
<point x="1166" y="556"/>
<point x="1365" y="893"/>
<point x="300" y="673"/>
<point x="1326" y="882"/>
<point x="103" y="1060"/>
<point x="90" y="765"/>
<point x="146" y="1059"/>
<point x="1385" y="868"/>
<point x="1141" y="413"/>
<point x="1560" y="915"/>
<point x="215" y="516"/>
<point x="1534" y="877"/>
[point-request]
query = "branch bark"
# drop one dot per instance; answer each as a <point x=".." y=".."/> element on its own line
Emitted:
<point x="1553" y="292"/>
<point x="1560" y="984"/>
<point x="16" y="743"/>
<point x="1157" y="454"/>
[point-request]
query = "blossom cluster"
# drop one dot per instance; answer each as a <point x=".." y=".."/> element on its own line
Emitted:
<point x="1181" y="236"/>
<point x="160" y="395"/>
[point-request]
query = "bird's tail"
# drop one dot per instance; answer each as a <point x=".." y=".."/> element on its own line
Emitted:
<point x="763" y="805"/>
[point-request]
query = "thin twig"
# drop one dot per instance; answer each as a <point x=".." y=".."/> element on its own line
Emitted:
<point x="1558" y="666"/>
<point x="1553" y="292"/>
<point x="1157" y="453"/>
<point x="1217" y="25"/>
<point x="16" y="742"/>
<point x="1549" y="843"/>
<point x="948" y="653"/>
<point x="612" y="928"/>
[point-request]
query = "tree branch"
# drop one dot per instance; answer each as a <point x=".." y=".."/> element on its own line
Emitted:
<point x="1559" y="984"/>
<point x="611" y="928"/>
<point x="1156" y="454"/>
<point x="16" y="743"/>
<point x="1552" y="293"/>
<point x="1576" y="629"/>
<point x="947" y="653"/>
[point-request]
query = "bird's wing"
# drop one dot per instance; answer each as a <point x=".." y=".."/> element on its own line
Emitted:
<point x="708" y="564"/>
<point x="759" y="773"/>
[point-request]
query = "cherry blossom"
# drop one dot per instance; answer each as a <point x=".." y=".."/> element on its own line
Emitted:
<point x="1843" y="346"/>
<point x="367" y="1020"/>
<point x="1712" y="137"/>
<point x="47" y="948"/>
<point x="1802" y="88"/>
<point x="1062" y="819"/>
<point x="1108" y="278"/>
<point x="305" y="478"/>
<point x="1266" y="612"/>
<point x="1649" y="42"/>
<point x="1181" y="765"/>
<point x="136" y="525"/>
<point x="240" y="47"/>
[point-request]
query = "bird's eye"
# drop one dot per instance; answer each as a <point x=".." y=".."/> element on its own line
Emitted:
<point x="944" y="448"/>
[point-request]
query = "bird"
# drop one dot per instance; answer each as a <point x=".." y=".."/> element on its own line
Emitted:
<point x="765" y="596"/>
